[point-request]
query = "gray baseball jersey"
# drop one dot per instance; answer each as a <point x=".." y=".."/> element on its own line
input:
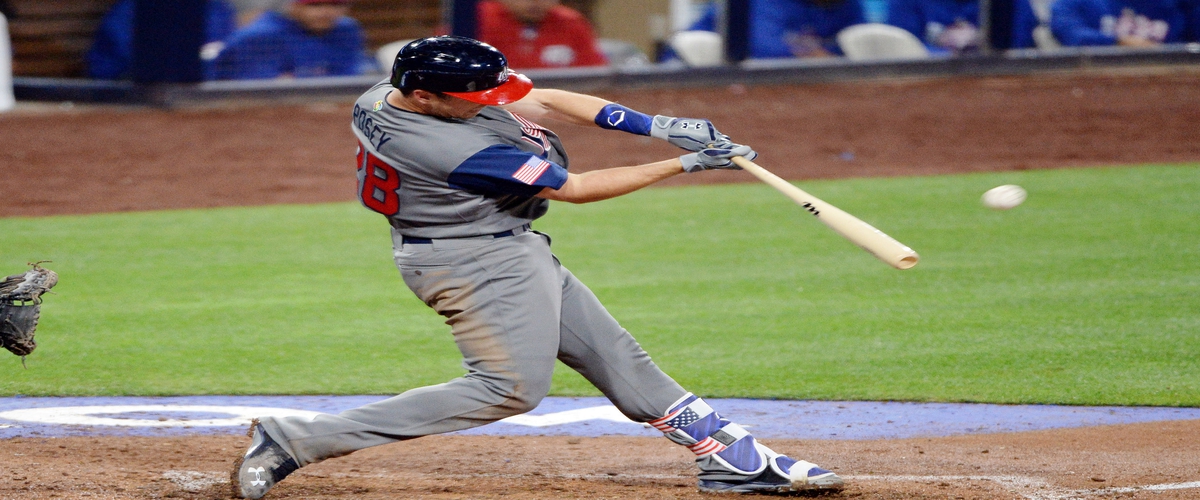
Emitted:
<point x="446" y="178"/>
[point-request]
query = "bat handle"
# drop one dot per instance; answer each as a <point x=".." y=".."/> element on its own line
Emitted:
<point x="764" y="175"/>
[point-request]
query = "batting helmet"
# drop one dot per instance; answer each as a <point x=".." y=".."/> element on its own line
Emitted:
<point x="459" y="66"/>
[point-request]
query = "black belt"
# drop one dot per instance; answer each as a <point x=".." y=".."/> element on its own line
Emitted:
<point x="426" y="241"/>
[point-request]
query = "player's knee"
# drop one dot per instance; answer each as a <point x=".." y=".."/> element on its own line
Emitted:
<point x="515" y="396"/>
<point x="528" y="394"/>
<point x="522" y="402"/>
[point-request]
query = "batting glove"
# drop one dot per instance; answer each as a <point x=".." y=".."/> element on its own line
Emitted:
<point x="716" y="158"/>
<point x="692" y="134"/>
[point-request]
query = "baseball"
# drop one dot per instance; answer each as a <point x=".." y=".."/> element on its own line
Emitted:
<point x="1004" y="197"/>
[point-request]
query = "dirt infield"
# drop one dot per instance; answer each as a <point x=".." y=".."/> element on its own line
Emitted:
<point x="1134" y="461"/>
<point x="87" y="160"/>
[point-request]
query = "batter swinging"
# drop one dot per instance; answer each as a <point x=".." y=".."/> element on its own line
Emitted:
<point x="448" y="152"/>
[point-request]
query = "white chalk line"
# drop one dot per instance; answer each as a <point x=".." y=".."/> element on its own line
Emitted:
<point x="501" y="475"/>
<point x="195" y="481"/>
<point x="1031" y="488"/>
<point x="1155" y="487"/>
<point x="1045" y="491"/>
<point x="240" y="416"/>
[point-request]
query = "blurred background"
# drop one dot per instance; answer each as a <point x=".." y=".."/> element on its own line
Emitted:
<point x="59" y="47"/>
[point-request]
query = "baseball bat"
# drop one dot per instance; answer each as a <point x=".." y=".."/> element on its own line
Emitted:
<point x="882" y="246"/>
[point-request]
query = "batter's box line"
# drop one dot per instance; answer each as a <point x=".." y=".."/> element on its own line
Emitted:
<point x="1046" y="491"/>
<point x="503" y="475"/>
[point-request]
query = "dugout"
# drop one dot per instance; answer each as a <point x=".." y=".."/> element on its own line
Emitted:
<point x="49" y="38"/>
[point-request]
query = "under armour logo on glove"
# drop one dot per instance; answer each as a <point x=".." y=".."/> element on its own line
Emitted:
<point x="692" y="134"/>
<point x="714" y="158"/>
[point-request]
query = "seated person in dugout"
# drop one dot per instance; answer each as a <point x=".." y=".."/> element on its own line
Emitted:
<point x="1128" y="23"/>
<point x="945" y="26"/>
<point x="304" y="38"/>
<point x="538" y="34"/>
<point x="791" y="28"/>
<point x="952" y="26"/>
<point x="111" y="53"/>
<point x="1024" y="21"/>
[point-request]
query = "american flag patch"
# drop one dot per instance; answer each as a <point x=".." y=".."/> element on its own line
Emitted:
<point x="532" y="170"/>
<point x="677" y="420"/>
<point x="661" y="423"/>
<point x="684" y="419"/>
<point x="707" y="447"/>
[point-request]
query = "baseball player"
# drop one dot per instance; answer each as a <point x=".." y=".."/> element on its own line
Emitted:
<point x="449" y="151"/>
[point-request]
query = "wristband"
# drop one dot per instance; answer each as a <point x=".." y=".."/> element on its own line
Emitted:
<point x="618" y="117"/>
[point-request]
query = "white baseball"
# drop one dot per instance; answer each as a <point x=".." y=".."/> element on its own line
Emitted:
<point x="1004" y="197"/>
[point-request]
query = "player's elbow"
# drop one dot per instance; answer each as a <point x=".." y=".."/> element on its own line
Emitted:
<point x="571" y="191"/>
<point x="559" y="195"/>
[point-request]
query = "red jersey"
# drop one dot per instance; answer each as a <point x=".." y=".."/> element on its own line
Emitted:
<point x="563" y="38"/>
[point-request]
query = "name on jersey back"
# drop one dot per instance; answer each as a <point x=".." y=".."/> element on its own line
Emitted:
<point x="369" y="128"/>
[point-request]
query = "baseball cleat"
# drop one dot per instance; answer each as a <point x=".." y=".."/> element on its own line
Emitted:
<point x="264" y="464"/>
<point x="782" y="476"/>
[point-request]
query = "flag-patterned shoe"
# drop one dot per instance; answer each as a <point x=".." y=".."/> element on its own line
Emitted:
<point x="264" y="464"/>
<point x="782" y="476"/>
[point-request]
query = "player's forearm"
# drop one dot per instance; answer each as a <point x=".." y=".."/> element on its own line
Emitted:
<point x="561" y="105"/>
<point x="612" y="182"/>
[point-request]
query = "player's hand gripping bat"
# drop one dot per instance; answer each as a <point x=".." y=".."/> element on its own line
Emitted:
<point x="882" y="246"/>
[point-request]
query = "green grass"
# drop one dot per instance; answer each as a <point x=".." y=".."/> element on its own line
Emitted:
<point x="1089" y="293"/>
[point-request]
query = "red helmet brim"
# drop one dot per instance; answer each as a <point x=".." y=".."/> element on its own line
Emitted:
<point x="511" y="91"/>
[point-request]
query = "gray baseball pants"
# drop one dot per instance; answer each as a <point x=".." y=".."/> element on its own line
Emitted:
<point x="513" y="310"/>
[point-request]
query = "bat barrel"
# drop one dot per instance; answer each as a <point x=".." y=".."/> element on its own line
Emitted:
<point x="874" y="241"/>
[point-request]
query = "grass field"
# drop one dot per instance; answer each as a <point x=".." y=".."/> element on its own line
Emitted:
<point x="1089" y="293"/>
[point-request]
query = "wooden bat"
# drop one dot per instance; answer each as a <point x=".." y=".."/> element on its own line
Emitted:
<point x="882" y="246"/>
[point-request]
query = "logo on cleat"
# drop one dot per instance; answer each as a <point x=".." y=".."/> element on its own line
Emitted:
<point x="258" y="481"/>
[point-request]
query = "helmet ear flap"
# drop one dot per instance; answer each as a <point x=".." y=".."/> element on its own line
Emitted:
<point x="400" y="68"/>
<point x="405" y="80"/>
<point x="397" y="78"/>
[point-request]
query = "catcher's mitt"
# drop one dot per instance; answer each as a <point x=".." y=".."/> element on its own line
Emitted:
<point x="20" y="308"/>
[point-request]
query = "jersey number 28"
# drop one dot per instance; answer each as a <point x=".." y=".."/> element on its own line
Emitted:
<point x="379" y="184"/>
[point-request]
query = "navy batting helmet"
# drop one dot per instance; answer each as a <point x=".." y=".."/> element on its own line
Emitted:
<point x="459" y="66"/>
